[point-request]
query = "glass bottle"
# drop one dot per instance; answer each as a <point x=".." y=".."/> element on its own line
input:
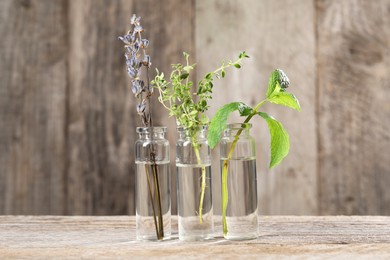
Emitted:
<point x="241" y="210"/>
<point x="194" y="191"/>
<point x="153" y="195"/>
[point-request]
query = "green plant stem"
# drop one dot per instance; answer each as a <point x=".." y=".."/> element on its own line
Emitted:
<point x="203" y="183"/>
<point x="225" y="167"/>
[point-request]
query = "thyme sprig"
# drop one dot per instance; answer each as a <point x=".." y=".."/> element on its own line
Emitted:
<point x="189" y="107"/>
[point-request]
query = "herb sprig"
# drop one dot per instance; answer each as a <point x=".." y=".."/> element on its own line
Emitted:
<point x="175" y="95"/>
<point x="280" y="142"/>
<point x="189" y="107"/>
<point x="136" y="60"/>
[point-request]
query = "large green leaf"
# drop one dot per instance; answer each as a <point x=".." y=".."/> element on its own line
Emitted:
<point x="280" y="141"/>
<point x="286" y="99"/>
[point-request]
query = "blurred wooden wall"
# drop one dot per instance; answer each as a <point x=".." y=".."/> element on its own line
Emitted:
<point x="67" y="117"/>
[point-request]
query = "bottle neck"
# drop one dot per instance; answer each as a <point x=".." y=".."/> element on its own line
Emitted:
<point x="154" y="133"/>
<point x="237" y="128"/>
<point x="184" y="133"/>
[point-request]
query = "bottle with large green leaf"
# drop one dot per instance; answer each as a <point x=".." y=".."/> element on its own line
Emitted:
<point x="240" y="180"/>
<point x="280" y="145"/>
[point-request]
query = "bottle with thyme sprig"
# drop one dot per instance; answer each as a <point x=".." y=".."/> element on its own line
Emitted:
<point x="153" y="204"/>
<point x="193" y="163"/>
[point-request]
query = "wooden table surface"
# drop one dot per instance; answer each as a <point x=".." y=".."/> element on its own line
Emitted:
<point x="113" y="237"/>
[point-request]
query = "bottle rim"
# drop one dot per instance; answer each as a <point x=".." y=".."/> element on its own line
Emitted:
<point x="238" y="126"/>
<point x="182" y="128"/>
<point x="151" y="129"/>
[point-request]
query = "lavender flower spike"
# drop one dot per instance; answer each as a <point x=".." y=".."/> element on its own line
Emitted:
<point x="136" y="60"/>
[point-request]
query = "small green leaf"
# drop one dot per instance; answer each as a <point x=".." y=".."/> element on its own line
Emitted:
<point x="218" y="122"/>
<point x="280" y="141"/>
<point x="238" y="66"/>
<point x="184" y="76"/>
<point x="244" y="110"/>
<point x="223" y="73"/>
<point x="286" y="99"/>
<point x="193" y="112"/>
<point x="272" y="83"/>
<point x="204" y="119"/>
<point x="243" y="55"/>
<point x="188" y="68"/>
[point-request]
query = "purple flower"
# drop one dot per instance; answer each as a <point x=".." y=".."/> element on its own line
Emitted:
<point x="135" y="20"/>
<point x="134" y="61"/>
<point x="144" y="43"/>
<point x="125" y="39"/>
<point x="135" y="47"/>
<point x="138" y="29"/>
<point x="146" y="62"/>
<point x="132" y="72"/>
<point x="141" y="108"/>
<point x="137" y="86"/>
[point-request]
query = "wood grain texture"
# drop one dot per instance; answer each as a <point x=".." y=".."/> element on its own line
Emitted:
<point x="170" y="26"/>
<point x="101" y="118"/>
<point x="102" y="110"/>
<point x="354" y="112"/>
<point x="33" y="81"/>
<point x="274" y="34"/>
<point x="287" y="237"/>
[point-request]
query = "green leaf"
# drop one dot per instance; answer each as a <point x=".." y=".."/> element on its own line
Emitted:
<point x="218" y="122"/>
<point x="278" y="82"/>
<point x="188" y="68"/>
<point x="286" y="99"/>
<point x="238" y="66"/>
<point x="244" y="110"/>
<point x="243" y="55"/>
<point x="223" y="73"/>
<point x="273" y="83"/>
<point x="280" y="141"/>
<point x="184" y="76"/>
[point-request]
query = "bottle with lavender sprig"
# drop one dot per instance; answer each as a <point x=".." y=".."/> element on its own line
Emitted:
<point x="153" y="202"/>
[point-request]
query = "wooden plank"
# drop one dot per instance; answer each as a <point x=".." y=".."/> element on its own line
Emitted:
<point x="354" y="112"/>
<point x="275" y="34"/>
<point x="114" y="237"/>
<point x="102" y="115"/>
<point x="33" y="54"/>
